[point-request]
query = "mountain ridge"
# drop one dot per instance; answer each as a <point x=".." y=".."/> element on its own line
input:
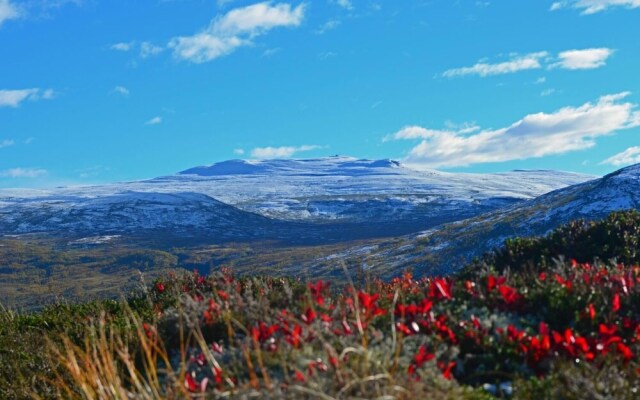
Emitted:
<point x="350" y="193"/>
<point x="444" y="249"/>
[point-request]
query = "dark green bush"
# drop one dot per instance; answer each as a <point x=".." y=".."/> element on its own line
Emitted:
<point x="616" y="237"/>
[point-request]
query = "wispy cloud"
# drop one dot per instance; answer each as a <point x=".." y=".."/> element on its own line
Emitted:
<point x="238" y="152"/>
<point x="346" y="4"/>
<point x="271" y="52"/>
<point x="123" y="46"/>
<point x="535" y="135"/>
<point x="148" y="49"/>
<point x="223" y="3"/>
<point x="32" y="9"/>
<point x="583" y="59"/>
<point x="325" y="55"/>
<point x="237" y="28"/>
<point x="23" y="173"/>
<point x="121" y="90"/>
<point x="145" y="49"/>
<point x="627" y="157"/>
<point x="594" y="6"/>
<point x="13" y="98"/>
<point x="6" y="143"/>
<point x="570" y="59"/>
<point x="327" y="26"/>
<point x="47" y="94"/>
<point x="154" y="121"/>
<point x="8" y="11"/>
<point x="281" y="152"/>
<point x="515" y="64"/>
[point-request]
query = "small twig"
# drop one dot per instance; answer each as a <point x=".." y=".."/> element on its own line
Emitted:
<point x="363" y="380"/>
<point x="311" y="392"/>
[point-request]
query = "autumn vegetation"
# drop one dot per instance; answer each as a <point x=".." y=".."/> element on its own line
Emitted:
<point x="550" y="317"/>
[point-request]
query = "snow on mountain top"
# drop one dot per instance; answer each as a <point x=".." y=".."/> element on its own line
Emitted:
<point x="316" y="166"/>
<point x="323" y="188"/>
<point x="632" y="171"/>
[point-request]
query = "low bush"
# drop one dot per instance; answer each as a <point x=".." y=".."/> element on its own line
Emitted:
<point x="565" y="329"/>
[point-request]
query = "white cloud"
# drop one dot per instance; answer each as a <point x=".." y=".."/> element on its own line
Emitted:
<point x="13" y="98"/>
<point x="222" y="3"/>
<point x="47" y="94"/>
<point x="281" y="152"/>
<point x="417" y="132"/>
<point x="8" y="11"/>
<point x="627" y="157"/>
<point x="271" y="52"/>
<point x="154" y="121"/>
<point x="327" y="26"/>
<point x="148" y="49"/>
<point x="23" y="173"/>
<point x="325" y="55"/>
<point x="547" y="92"/>
<point x="583" y="59"/>
<point x="594" y="6"/>
<point x="346" y="4"/>
<point x="121" y="90"/>
<point x="204" y="47"/>
<point x="535" y="135"/>
<point x="6" y="143"/>
<point x="570" y="59"/>
<point x="517" y="63"/>
<point x="541" y="80"/>
<point x="35" y="9"/>
<point x="238" y="152"/>
<point x="235" y="29"/>
<point x="123" y="46"/>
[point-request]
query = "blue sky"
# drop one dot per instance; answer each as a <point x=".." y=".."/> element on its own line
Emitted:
<point x="97" y="91"/>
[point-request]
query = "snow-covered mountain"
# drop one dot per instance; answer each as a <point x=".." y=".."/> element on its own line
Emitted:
<point x="349" y="188"/>
<point x="279" y="195"/>
<point x="448" y="247"/>
<point x="183" y="213"/>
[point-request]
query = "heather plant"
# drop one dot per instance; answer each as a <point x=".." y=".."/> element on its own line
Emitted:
<point x="617" y="237"/>
<point x="502" y="334"/>
<point x="566" y="328"/>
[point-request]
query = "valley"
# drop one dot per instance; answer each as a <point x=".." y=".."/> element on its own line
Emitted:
<point x="327" y="215"/>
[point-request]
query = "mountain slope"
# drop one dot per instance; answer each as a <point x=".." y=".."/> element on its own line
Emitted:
<point x="126" y="212"/>
<point x="446" y="248"/>
<point x="355" y="189"/>
<point x="325" y="199"/>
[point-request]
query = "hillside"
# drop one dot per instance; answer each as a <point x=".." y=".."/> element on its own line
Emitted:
<point x="92" y="232"/>
<point x="553" y="330"/>
<point x="354" y="194"/>
<point x="446" y="248"/>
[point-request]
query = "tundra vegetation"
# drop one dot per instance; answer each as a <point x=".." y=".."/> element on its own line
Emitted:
<point x="549" y="317"/>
